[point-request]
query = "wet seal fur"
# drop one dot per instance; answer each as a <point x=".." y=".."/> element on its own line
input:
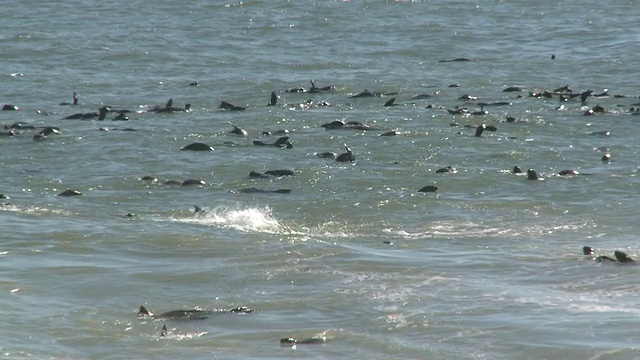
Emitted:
<point x="191" y="314"/>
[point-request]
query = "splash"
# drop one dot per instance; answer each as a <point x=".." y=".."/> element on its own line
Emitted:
<point x="250" y="219"/>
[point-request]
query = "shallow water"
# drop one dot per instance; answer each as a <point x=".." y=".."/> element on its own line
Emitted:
<point x="489" y="266"/>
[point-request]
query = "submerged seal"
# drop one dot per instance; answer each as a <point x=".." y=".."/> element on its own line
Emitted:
<point x="310" y="341"/>
<point x="197" y="147"/>
<point x="532" y="175"/>
<point x="70" y="192"/>
<point x="282" y="142"/>
<point x="428" y="188"/>
<point x="253" y="190"/>
<point x="168" y="107"/>
<point x="229" y="106"/>
<point x="75" y="100"/>
<point x="191" y="314"/>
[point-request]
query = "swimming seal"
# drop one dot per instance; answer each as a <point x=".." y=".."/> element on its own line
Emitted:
<point x="192" y="314"/>
<point x="532" y="175"/>
<point x="276" y="173"/>
<point x="620" y="257"/>
<point x="350" y="125"/>
<point x="347" y="156"/>
<point x="447" y="169"/>
<point x="482" y="127"/>
<point x="253" y="190"/>
<point x="238" y="131"/>
<point x="315" y="89"/>
<point x="310" y="341"/>
<point x="75" y="100"/>
<point x="274" y="99"/>
<point x="190" y="182"/>
<point x="327" y="155"/>
<point x="197" y="147"/>
<point x="455" y="60"/>
<point x="282" y="142"/>
<point x="70" y="192"/>
<point x="168" y="107"/>
<point x="428" y="188"/>
<point x="568" y="172"/>
<point x="229" y="106"/>
<point x="87" y="116"/>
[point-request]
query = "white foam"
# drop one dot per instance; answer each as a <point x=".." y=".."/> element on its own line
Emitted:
<point x="249" y="219"/>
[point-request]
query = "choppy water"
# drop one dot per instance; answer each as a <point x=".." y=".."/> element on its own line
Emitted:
<point x="489" y="267"/>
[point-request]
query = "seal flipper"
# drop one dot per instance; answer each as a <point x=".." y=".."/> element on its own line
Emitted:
<point x="163" y="332"/>
<point x="144" y="312"/>
<point x="283" y="142"/>
<point x="390" y="102"/>
<point x="603" y="258"/>
<point x="274" y="99"/>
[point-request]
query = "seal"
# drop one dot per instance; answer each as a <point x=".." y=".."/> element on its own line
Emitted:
<point x="350" y="125"/>
<point x="238" y="131"/>
<point x="516" y="170"/>
<point x="276" y="173"/>
<point x="190" y="182"/>
<point x="482" y="127"/>
<point x="75" y="100"/>
<point x="347" y="156"/>
<point x="70" y="192"/>
<point x="19" y="126"/>
<point x="428" y="188"/>
<point x="282" y="142"/>
<point x="100" y="115"/>
<point x="447" y="169"/>
<point x="568" y="172"/>
<point x="197" y="147"/>
<point x="310" y="341"/>
<point x="191" y="314"/>
<point x="620" y="257"/>
<point x="315" y="89"/>
<point x="253" y="190"/>
<point x="274" y="99"/>
<point x="455" y="60"/>
<point x="391" y="133"/>
<point x="229" y="106"/>
<point x="327" y="155"/>
<point x="424" y="95"/>
<point x="168" y="107"/>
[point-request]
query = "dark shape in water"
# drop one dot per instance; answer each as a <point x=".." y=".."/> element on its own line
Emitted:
<point x="238" y="131"/>
<point x="428" y="188"/>
<point x="192" y="314"/>
<point x="282" y="142"/>
<point x="75" y="100"/>
<point x="347" y="156"/>
<point x="229" y="106"/>
<point x="70" y="192"/>
<point x="197" y="147"/>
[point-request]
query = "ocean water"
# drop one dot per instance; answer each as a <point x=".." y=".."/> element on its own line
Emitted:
<point x="488" y="267"/>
